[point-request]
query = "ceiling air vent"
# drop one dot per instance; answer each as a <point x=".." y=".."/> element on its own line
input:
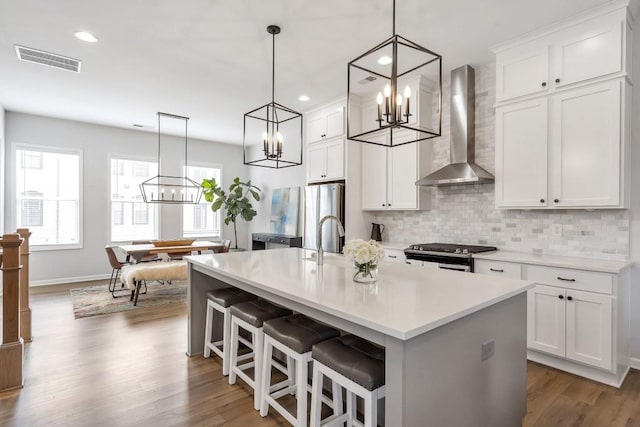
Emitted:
<point x="49" y="59"/>
<point x="367" y="79"/>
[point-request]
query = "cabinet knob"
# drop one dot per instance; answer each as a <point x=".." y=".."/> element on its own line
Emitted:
<point x="389" y="204"/>
<point x="541" y="200"/>
<point x="557" y="80"/>
<point x="544" y="84"/>
<point x="561" y="296"/>
<point x="393" y="256"/>
<point x="497" y="270"/>
<point x="556" y="200"/>
<point x="570" y="298"/>
<point x="384" y="204"/>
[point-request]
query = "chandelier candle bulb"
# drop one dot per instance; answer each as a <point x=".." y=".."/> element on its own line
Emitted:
<point x="387" y="97"/>
<point x="399" y="109"/>
<point x="407" y="96"/>
<point x="379" y="101"/>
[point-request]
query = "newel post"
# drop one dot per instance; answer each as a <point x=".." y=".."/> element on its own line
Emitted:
<point x="12" y="348"/>
<point x="25" y="309"/>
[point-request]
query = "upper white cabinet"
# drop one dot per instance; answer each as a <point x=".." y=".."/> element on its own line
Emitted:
<point x="325" y="161"/>
<point x="389" y="176"/>
<point x="572" y="53"/>
<point x="562" y="115"/>
<point x="325" y="124"/>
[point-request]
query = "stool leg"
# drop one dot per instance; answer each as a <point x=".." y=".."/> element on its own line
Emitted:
<point x="291" y="373"/>
<point x="316" y="397"/>
<point x="336" y="398"/>
<point x="257" y="370"/>
<point x="370" y="411"/>
<point x="266" y="376"/>
<point x="225" y="340"/>
<point x="233" y="360"/>
<point x="207" y="333"/>
<point x="351" y="408"/>
<point x="302" y="372"/>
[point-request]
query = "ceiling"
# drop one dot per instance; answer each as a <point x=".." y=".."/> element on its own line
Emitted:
<point x="211" y="59"/>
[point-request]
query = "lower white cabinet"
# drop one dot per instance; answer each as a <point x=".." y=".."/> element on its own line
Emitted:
<point x="394" y="255"/>
<point x="325" y="161"/>
<point x="573" y="324"/>
<point x="576" y="319"/>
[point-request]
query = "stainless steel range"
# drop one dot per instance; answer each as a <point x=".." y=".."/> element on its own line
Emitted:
<point x="447" y="255"/>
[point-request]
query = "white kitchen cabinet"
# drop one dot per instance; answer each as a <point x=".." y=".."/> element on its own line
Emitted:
<point x="568" y="154"/>
<point x="394" y="255"/>
<point x="325" y="124"/>
<point x="389" y="176"/>
<point x="498" y="268"/>
<point x="571" y="53"/>
<point x="585" y="146"/>
<point x="521" y="155"/>
<point x="546" y="320"/>
<point x="325" y="161"/>
<point x="589" y="328"/>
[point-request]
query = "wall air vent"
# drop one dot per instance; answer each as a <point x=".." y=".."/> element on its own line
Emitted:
<point x="47" y="58"/>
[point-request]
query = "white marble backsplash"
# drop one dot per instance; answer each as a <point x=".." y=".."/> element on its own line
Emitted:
<point x="466" y="213"/>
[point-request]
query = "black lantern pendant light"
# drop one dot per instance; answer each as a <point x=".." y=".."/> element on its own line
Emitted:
<point x="394" y="93"/>
<point x="272" y="135"/>
<point x="171" y="189"/>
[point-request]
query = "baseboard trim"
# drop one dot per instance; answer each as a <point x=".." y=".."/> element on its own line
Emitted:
<point x="635" y="363"/>
<point x="62" y="280"/>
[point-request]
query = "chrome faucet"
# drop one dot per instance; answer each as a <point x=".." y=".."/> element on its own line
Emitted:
<point x="320" y="257"/>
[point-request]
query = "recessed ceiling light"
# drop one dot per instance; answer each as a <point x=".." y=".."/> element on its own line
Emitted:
<point x="384" y="60"/>
<point x="303" y="98"/>
<point x="85" y="37"/>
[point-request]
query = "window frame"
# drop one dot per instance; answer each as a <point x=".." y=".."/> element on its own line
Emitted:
<point x="220" y="212"/>
<point x="131" y="157"/>
<point x="15" y="146"/>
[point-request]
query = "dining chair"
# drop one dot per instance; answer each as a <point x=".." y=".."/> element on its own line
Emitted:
<point x="116" y="266"/>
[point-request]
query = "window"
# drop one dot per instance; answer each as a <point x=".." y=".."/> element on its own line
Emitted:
<point x="199" y="220"/>
<point x="131" y="218"/>
<point x="48" y="194"/>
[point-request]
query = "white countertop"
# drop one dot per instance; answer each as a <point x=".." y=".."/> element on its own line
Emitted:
<point x="405" y="302"/>
<point x="604" y="266"/>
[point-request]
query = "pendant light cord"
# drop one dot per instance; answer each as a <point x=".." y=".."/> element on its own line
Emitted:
<point x="273" y="68"/>
<point x="394" y="17"/>
<point x="158" y="144"/>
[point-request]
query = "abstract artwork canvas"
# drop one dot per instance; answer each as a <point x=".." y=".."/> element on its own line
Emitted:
<point x="284" y="211"/>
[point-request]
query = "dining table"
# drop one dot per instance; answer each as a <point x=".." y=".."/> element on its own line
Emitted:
<point x="136" y="252"/>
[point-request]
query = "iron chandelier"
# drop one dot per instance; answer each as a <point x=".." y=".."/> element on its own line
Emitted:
<point x="272" y="134"/>
<point x="171" y="189"/>
<point x="394" y="93"/>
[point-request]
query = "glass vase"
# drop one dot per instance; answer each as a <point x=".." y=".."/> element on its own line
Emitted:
<point x="366" y="272"/>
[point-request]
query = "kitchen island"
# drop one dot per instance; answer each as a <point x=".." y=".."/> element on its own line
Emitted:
<point x="455" y="342"/>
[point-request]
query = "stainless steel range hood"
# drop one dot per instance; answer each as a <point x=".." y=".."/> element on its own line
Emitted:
<point x="462" y="169"/>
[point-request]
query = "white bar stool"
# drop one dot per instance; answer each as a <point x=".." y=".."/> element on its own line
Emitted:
<point x="221" y="301"/>
<point x="250" y="316"/>
<point x="356" y="365"/>
<point x="294" y="336"/>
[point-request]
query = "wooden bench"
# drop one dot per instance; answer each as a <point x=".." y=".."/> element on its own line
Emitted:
<point x="134" y="275"/>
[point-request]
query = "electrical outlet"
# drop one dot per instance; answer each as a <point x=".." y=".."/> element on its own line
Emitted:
<point x="556" y="230"/>
<point x="488" y="350"/>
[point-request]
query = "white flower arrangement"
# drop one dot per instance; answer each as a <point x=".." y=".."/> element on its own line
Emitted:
<point x="365" y="255"/>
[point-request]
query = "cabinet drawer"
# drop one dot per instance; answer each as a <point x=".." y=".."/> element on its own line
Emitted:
<point x="499" y="268"/>
<point x="590" y="281"/>
<point x="394" y="255"/>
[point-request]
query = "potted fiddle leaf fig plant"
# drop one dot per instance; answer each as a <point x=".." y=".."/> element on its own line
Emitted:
<point x="236" y="201"/>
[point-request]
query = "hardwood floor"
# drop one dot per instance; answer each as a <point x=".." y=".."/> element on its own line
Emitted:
<point x="129" y="369"/>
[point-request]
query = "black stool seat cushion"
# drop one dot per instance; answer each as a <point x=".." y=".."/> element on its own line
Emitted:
<point x="257" y="311"/>
<point x="353" y="357"/>
<point x="226" y="297"/>
<point x="298" y="332"/>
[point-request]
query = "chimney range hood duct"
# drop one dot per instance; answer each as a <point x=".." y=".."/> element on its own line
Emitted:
<point x="462" y="169"/>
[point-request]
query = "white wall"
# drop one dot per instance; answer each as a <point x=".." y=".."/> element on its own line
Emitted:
<point x="635" y="204"/>
<point x="97" y="143"/>
<point x="2" y="167"/>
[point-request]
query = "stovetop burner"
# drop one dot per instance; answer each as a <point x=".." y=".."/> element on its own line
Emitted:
<point x="451" y="248"/>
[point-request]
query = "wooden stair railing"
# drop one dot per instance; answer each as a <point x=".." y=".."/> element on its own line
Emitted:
<point x="12" y="348"/>
<point x="25" y="309"/>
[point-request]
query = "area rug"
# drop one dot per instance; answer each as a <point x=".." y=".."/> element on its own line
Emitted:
<point x="97" y="300"/>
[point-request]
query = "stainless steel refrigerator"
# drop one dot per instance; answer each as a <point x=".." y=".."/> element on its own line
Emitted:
<point x="321" y="200"/>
